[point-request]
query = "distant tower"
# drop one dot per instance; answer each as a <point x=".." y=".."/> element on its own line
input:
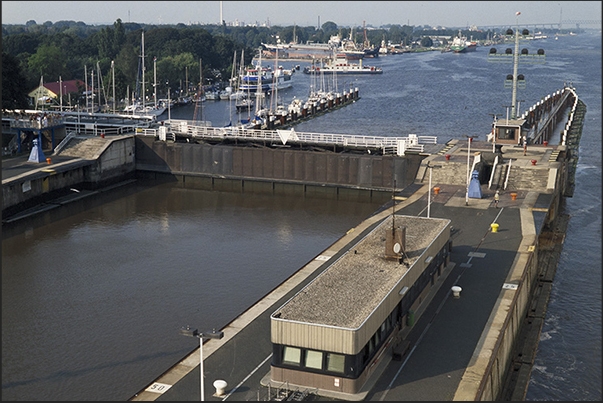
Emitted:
<point x="221" y="19"/>
<point x="318" y="22"/>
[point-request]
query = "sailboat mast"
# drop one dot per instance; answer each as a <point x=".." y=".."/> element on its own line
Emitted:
<point x="258" y="92"/>
<point x="155" y="79"/>
<point x="92" y="79"/>
<point x="86" y="79"/>
<point x="144" y="94"/>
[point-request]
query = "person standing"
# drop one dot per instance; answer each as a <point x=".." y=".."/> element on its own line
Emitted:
<point x="496" y="199"/>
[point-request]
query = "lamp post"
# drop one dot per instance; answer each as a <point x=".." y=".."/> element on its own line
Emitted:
<point x="519" y="101"/>
<point x="495" y="117"/>
<point x="429" y="194"/>
<point x="187" y="331"/>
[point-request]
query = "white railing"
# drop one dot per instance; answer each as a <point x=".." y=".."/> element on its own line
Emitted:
<point x="389" y="145"/>
<point x="63" y="143"/>
<point x="508" y="174"/>
<point x="493" y="172"/>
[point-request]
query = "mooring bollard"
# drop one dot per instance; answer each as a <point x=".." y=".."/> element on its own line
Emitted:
<point x="447" y="157"/>
<point x="494" y="227"/>
<point x="220" y="386"/>
<point x="513" y="196"/>
<point x="534" y="162"/>
<point x="456" y="291"/>
<point x="436" y="190"/>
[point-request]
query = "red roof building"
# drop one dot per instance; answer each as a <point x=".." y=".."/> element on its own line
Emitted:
<point x="53" y="90"/>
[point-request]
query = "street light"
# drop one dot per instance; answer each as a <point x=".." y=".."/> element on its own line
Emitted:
<point x="519" y="101"/>
<point x="495" y="116"/>
<point x="187" y="331"/>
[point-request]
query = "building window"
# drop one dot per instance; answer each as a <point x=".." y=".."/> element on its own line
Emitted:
<point x="292" y="355"/>
<point x="313" y="359"/>
<point x="335" y="362"/>
<point x="506" y="134"/>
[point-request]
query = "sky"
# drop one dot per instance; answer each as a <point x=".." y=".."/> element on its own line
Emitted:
<point x="307" y="13"/>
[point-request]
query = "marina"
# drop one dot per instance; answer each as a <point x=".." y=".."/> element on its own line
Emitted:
<point x="269" y="161"/>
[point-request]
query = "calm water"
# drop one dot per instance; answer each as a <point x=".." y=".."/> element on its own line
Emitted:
<point x="93" y="294"/>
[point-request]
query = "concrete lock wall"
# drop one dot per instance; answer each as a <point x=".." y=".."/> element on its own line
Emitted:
<point x="116" y="162"/>
<point x="353" y="171"/>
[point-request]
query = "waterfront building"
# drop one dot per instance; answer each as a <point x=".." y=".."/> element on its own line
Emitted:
<point x="331" y="334"/>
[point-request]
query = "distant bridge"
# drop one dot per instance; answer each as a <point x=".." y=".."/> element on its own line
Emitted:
<point x="557" y="24"/>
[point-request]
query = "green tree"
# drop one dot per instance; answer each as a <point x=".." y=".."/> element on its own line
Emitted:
<point x="48" y="61"/>
<point x="426" y="42"/>
<point x="329" y="28"/>
<point x="394" y="34"/>
<point x="14" y="90"/>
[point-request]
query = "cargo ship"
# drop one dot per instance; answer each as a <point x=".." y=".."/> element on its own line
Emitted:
<point x="460" y="44"/>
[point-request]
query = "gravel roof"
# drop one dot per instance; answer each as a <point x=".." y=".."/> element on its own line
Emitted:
<point x="346" y="293"/>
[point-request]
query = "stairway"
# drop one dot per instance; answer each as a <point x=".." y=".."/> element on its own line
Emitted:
<point x="528" y="178"/>
<point x="84" y="147"/>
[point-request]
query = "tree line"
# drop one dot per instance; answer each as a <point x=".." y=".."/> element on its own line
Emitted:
<point x="65" y="50"/>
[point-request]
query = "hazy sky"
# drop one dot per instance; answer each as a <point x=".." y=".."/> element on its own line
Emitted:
<point x="306" y="13"/>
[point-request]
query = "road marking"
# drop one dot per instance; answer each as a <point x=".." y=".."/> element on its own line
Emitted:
<point x="477" y="254"/>
<point x="247" y="377"/>
<point x="158" y="387"/>
<point x="509" y="286"/>
<point x="323" y="258"/>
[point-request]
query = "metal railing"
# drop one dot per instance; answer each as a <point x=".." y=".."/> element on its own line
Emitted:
<point x="388" y="145"/>
<point x="34" y="123"/>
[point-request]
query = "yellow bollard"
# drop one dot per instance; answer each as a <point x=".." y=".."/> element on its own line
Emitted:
<point x="494" y="227"/>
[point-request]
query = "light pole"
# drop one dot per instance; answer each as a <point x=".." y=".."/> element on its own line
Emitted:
<point x="515" y="65"/>
<point x="429" y="194"/>
<point x="495" y="117"/>
<point x="187" y="331"/>
<point x="519" y="101"/>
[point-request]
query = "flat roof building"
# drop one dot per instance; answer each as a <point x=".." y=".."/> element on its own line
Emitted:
<point x="329" y="335"/>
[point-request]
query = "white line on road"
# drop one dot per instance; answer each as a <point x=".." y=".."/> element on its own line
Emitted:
<point x="247" y="377"/>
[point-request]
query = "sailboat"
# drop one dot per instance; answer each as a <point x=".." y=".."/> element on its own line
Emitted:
<point x="141" y="107"/>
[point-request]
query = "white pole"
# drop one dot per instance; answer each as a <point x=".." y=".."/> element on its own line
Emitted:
<point x="144" y="95"/>
<point x="169" y="106"/>
<point x="61" y="91"/>
<point x="113" y="79"/>
<point x="429" y="195"/>
<point x="155" y="80"/>
<point x="468" y="156"/>
<point x="92" y="107"/>
<point x="86" y="90"/>
<point x="201" y="367"/>
<point x="515" y="63"/>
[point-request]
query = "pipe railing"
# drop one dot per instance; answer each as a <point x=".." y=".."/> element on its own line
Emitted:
<point x="387" y="144"/>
